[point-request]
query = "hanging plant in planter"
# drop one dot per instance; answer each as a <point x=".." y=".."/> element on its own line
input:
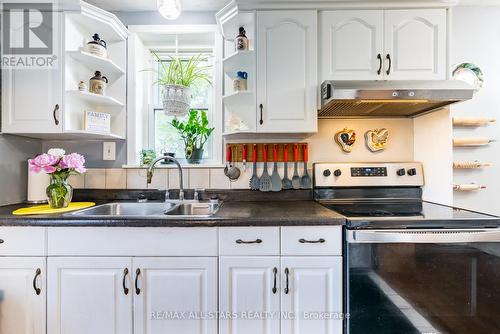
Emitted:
<point x="177" y="77"/>
<point x="194" y="132"/>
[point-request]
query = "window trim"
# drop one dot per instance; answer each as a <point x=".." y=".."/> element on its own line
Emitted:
<point x="217" y="114"/>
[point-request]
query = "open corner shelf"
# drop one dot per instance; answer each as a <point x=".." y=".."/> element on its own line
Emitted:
<point x="240" y="60"/>
<point x="106" y="66"/>
<point x="244" y="98"/>
<point x="82" y="134"/>
<point x="95" y="99"/>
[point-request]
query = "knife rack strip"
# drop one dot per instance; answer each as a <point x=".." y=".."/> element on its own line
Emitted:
<point x="238" y="152"/>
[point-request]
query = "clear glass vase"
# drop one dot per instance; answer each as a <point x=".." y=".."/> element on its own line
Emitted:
<point x="59" y="192"/>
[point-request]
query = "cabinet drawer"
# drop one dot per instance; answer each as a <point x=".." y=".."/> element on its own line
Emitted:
<point x="23" y="241"/>
<point x="249" y="241"/>
<point x="311" y="240"/>
<point x="117" y="241"/>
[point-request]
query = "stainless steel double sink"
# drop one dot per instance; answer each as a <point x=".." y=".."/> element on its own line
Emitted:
<point x="170" y="209"/>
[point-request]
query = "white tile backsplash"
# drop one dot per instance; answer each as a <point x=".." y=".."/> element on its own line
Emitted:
<point x="95" y="178"/>
<point x="243" y="182"/>
<point x="77" y="181"/>
<point x="199" y="178"/>
<point x="205" y="178"/>
<point x="218" y="180"/>
<point x="116" y="178"/>
<point x="136" y="179"/>
<point x="173" y="178"/>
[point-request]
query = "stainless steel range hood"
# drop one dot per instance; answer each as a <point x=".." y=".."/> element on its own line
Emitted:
<point x="389" y="98"/>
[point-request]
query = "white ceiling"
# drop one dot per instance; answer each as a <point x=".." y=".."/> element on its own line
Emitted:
<point x="149" y="5"/>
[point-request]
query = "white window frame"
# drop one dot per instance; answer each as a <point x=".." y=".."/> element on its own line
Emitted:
<point x="216" y="117"/>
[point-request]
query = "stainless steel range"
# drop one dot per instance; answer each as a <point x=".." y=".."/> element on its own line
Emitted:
<point x="411" y="266"/>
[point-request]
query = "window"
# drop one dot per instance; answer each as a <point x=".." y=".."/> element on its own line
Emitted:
<point x="147" y="125"/>
<point x="166" y="138"/>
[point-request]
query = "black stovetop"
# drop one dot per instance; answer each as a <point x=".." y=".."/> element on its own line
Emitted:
<point x="414" y="214"/>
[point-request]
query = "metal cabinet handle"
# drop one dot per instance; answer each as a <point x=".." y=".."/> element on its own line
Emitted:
<point x="319" y="241"/>
<point x="286" y="290"/>
<point x="261" y="107"/>
<point x="38" y="272"/>
<point x="388" y="57"/>
<point x="56" y="108"/>
<point x="275" y="273"/>
<point x="125" y="274"/>
<point x="256" y="241"/>
<point x="379" y="57"/>
<point x="137" y="274"/>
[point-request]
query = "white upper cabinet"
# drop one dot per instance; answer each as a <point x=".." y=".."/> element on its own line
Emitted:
<point x="183" y="284"/>
<point x="22" y="295"/>
<point x="352" y="43"/>
<point x="89" y="295"/>
<point x="287" y="82"/>
<point x="416" y="42"/>
<point x="407" y="44"/>
<point x="32" y="99"/>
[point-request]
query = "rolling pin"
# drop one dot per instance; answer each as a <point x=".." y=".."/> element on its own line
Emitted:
<point x="470" y="164"/>
<point x="478" y="141"/>
<point x="468" y="187"/>
<point x="464" y="121"/>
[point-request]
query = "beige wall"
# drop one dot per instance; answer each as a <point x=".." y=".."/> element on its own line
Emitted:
<point x="400" y="145"/>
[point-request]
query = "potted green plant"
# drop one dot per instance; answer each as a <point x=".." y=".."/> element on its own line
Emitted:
<point x="194" y="131"/>
<point x="177" y="77"/>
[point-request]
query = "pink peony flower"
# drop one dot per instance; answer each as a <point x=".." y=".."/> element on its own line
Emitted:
<point x="73" y="161"/>
<point x="44" y="162"/>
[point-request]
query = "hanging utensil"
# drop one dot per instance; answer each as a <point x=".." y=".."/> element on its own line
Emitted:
<point x="245" y="154"/>
<point x="228" y="160"/>
<point x="265" y="179"/>
<point x="275" y="177"/>
<point x="254" y="180"/>
<point x="234" y="172"/>
<point x="286" y="183"/>
<point x="296" y="177"/>
<point x="305" y="181"/>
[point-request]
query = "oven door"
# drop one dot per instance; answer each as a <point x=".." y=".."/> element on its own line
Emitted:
<point x="423" y="281"/>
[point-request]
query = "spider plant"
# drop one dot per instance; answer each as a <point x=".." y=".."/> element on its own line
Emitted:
<point x="181" y="72"/>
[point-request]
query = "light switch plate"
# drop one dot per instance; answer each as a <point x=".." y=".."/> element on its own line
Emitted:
<point x="109" y="151"/>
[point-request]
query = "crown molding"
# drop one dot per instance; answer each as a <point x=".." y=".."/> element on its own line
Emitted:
<point x="342" y="4"/>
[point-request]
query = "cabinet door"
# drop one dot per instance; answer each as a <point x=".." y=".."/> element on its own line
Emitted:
<point x="287" y="71"/>
<point x="314" y="296"/>
<point x="249" y="285"/>
<point x="352" y="45"/>
<point x="22" y="307"/>
<point x="30" y="96"/>
<point x="415" y="40"/>
<point x="176" y="295"/>
<point x="88" y="295"/>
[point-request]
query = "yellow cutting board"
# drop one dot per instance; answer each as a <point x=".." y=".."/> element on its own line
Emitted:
<point x="47" y="210"/>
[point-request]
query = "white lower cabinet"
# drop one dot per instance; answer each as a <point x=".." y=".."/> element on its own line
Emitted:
<point x="249" y="295"/>
<point x="175" y="295"/>
<point x="22" y="295"/>
<point x="282" y="280"/>
<point x="89" y="295"/>
<point x="311" y="301"/>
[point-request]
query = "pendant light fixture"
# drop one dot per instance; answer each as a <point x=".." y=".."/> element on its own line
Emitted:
<point x="169" y="9"/>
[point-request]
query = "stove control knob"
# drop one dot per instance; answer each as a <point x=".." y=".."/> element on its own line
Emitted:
<point x="401" y="172"/>
<point x="337" y="172"/>
<point x="412" y="171"/>
<point x="327" y="173"/>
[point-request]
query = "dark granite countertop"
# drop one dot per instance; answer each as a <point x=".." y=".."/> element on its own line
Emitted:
<point x="270" y="210"/>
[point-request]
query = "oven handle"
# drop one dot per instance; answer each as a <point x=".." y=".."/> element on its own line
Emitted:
<point x="449" y="236"/>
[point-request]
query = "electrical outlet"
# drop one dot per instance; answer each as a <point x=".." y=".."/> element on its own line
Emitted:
<point x="109" y="151"/>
